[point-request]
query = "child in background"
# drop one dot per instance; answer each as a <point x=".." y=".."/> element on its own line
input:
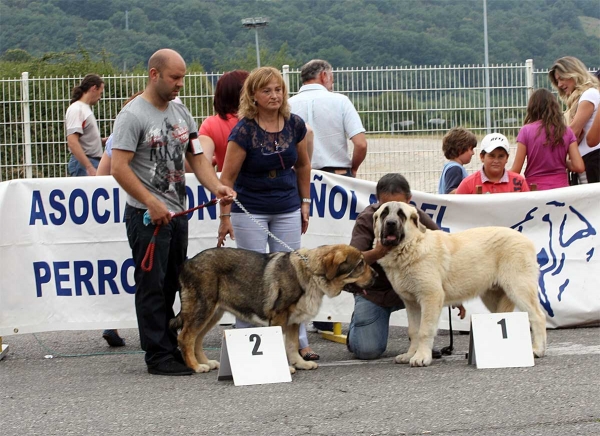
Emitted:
<point x="546" y="142"/>
<point x="457" y="145"/>
<point x="493" y="177"/>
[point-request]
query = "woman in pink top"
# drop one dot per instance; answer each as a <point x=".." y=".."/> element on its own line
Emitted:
<point x="546" y="142"/>
<point x="215" y="130"/>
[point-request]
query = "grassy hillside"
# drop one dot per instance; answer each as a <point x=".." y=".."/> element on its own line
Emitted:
<point x="346" y="32"/>
<point x="591" y="27"/>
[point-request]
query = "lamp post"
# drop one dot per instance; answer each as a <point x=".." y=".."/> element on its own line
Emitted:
<point x="488" y="115"/>
<point x="255" y="23"/>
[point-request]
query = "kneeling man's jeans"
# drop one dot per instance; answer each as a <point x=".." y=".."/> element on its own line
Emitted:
<point x="369" y="328"/>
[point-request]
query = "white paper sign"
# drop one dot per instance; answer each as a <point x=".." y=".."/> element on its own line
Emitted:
<point x="4" y="351"/>
<point x="254" y="356"/>
<point x="500" y="340"/>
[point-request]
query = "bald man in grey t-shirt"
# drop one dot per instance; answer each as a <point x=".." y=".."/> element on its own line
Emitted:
<point x="151" y="137"/>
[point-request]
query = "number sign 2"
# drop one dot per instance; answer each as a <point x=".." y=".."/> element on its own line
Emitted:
<point x="256" y="338"/>
<point x="500" y="340"/>
<point x="254" y="356"/>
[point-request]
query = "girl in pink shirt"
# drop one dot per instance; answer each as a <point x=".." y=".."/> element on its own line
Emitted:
<point x="546" y="142"/>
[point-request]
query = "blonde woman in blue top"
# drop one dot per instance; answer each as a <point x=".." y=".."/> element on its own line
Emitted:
<point x="267" y="161"/>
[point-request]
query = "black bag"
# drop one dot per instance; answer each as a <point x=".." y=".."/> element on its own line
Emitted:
<point x="573" y="179"/>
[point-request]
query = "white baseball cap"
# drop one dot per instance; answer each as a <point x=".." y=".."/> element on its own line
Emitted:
<point x="494" y="140"/>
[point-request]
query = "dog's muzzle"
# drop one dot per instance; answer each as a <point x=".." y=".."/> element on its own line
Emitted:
<point x="392" y="232"/>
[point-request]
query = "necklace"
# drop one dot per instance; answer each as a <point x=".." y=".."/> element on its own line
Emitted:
<point x="266" y="132"/>
<point x="275" y="149"/>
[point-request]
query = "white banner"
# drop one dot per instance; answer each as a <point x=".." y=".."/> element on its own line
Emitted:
<point x="66" y="263"/>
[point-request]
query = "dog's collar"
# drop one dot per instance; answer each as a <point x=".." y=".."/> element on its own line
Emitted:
<point x="351" y="271"/>
<point x="301" y="256"/>
<point x="355" y="266"/>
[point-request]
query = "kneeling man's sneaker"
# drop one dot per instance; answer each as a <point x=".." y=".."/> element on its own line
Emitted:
<point x="170" y="367"/>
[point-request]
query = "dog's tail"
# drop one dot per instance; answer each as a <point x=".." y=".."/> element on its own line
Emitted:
<point x="176" y="323"/>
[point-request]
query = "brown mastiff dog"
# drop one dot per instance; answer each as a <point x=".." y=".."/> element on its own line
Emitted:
<point x="279" y="289"/>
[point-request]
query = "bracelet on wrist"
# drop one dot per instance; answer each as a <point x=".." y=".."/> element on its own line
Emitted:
<point x="224" y="214"/>
<point x="305" y="200"/>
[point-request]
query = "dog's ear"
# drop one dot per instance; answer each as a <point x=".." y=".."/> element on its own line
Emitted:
<point x="332" y="262"/>
<point x="417" y="222"/>
<point x="376" y="225"/>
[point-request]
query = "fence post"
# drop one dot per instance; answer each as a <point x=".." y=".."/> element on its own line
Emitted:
<point x="26" y="123"/>
<point x="286" y="77"/>
<point x="529" y="77"/>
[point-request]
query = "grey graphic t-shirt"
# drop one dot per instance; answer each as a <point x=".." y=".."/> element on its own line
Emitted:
<point x="159" y="140"/>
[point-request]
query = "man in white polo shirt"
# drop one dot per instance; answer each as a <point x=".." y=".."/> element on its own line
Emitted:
<point x="333" y="118"/>
<point x="83" y="136"/>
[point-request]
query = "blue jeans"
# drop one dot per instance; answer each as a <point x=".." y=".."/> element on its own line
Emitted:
<point x="77" y="170"/>
<point x="156" y="289"/>
<point x="369" y="328"/>
<point x="249" y="236"/>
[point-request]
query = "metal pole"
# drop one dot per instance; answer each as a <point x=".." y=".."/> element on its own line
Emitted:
<point x="257" y="49"/>
<point x="255" y="23"/>
<point x="488" y="114"/>
<point x="286" y="77"/>
<point x="529" y="77"/>
<point x="126" y="29"/>
<point x="26" y="123"/>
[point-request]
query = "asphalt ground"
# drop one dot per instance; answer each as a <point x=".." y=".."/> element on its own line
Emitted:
<point x="104" y="391"/>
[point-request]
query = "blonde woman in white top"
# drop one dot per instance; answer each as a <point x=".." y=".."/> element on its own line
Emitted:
<point x="580" y="91"/>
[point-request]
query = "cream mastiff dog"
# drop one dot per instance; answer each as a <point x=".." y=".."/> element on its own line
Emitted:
<point x="431" y="269"/>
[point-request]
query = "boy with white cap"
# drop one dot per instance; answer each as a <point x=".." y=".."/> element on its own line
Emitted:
<point x="493" y="177"/>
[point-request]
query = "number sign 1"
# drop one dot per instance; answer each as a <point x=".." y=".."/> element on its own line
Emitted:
<point x="500" y="340"/>
<point x="254" y="356"/>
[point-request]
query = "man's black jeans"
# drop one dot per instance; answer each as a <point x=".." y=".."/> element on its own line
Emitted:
<point x="156" y="289"/>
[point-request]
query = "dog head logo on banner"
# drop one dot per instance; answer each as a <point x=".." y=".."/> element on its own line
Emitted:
<point x="570" y="237"/>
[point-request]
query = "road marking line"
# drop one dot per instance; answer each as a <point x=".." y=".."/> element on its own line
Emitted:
<point x="572" y="349"/>
<point x="559" y="349"/>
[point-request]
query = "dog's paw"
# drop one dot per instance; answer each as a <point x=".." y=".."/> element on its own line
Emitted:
<point x="303" y="364"/>
<point x="421" y="359"/>
<point x="403" y="358"/>
<point x="539" y="353"/>
<point x="213" y="364"/>
<point x="292" y="370"/>
<point x="202" y="367"/>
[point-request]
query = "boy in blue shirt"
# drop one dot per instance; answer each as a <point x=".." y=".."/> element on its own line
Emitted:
<point x="458" y="145"/>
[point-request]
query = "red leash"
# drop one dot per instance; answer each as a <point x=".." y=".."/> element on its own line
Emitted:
<point x="148" y="261"/>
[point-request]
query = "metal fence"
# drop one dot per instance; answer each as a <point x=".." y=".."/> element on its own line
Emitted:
<point x="405" y="110"/>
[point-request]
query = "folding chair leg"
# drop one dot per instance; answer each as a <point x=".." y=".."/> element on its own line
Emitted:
<point x="450" y="348"/>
